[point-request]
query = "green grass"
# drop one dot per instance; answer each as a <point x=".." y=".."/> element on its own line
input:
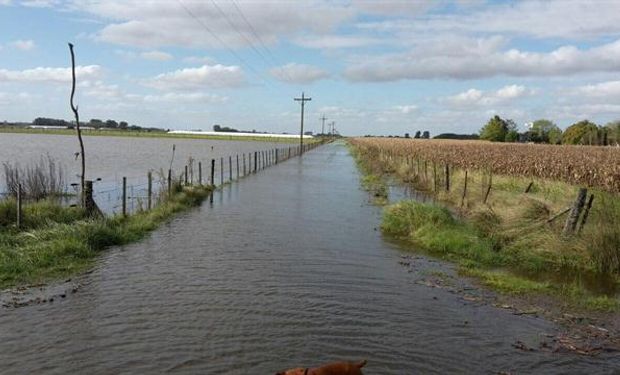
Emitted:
<point x="500" y="264"/>
<point x="60" y="241"/>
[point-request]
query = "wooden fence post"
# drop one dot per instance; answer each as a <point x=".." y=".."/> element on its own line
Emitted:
<point x="255" y="162"/>
<point x="230" y="168"/>
<point x="186" y="176"/>
<point x="486" y="195"/>
<point x="244" y="173"/>
<point x="149" y="192"/>
<point x="276" y="156"/>
<point x="124" y="196"/>
<point x="586" y="213"/>
<point x="213" y="172"/>
<point x="19" y="217"/>
<point x="237" y="166"/>
<point x="221" y="171"/>
<point x="464" y="190"/>
<point x="575" y="212"/>
<point x="169" y="183"/>
<point x="199" y="173"/>
<point x="447" y="177"/>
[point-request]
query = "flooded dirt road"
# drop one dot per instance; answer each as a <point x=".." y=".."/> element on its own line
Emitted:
<point x="284" y="269"/>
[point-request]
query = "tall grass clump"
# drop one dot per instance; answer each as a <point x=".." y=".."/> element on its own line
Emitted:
<point x="38" y="180"/>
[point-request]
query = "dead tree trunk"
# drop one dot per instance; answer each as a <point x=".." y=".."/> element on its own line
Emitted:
<point x="77" y="127"/>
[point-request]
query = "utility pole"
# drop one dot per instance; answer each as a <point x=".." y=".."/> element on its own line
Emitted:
<point x="332" y="125"/>
<point x="323" y="125"/>
<point x="303" y="101"/>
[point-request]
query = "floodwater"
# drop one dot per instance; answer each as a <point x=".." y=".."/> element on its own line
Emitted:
<point x="109" y="159"/>
<point x="283" y="269"/>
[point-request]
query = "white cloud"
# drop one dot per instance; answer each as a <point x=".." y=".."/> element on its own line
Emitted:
<point x="39" y="3"/>
<point x="214" y="76"/>
<point x="194" y="24"/>
<point x="49" y="75"/>
<point x="474" y="97"/>
<point x="406" y="109"/>
<point x="174" y="97"/>
<point x="336" y="41"/>
<point x="298" y="73"/>
<point x="489" y="61"/>
<point x="605" y="90"/>
<point x="156" y="56"/>
<point x="538" y="19"/>
<point x="24" y="45"/>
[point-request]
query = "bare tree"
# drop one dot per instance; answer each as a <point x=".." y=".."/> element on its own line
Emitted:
<point x="77" y="126"/>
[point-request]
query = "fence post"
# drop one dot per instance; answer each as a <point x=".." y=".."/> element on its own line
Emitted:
<point x="575" y="212"/>
<point x="124" y="196"/>
<point x="199" y="173"/>
<point x="464" y="189"/>
<point x="169" y="183"/>
<point x="149" y="191"/>
<point x="237" y="166"/>
<point x="586" y="213"/>
<point x="221" y="171"/>
<point x="244" y="165"/>
<point x="276" y="156"/>
<point x="255" y="163"/>
<point x="213" y="172"/>
<point x="186" y="176"/>
<point x="486" y="195"/>
<point x="19" y="205"/>
<point x="447" y="177"/>
<point x="230" y="168"/>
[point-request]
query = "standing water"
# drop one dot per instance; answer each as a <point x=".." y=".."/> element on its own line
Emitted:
<point x="282" y="270"/>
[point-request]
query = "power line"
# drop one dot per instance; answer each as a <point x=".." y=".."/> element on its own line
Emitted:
<point x="237" y="30"/>
<point x="204" y="26"/>
<point x="260" y="40"/>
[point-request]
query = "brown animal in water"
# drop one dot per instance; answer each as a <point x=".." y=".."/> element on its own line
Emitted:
<point x="336" y="368"/>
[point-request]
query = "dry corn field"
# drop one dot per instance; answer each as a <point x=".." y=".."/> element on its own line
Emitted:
<point x="588" y="166"/>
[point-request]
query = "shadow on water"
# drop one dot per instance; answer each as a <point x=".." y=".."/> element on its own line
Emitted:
<point x="283" y="269"/>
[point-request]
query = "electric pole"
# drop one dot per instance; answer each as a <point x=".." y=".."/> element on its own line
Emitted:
<point x="303" y="101"/>
<point x="323" y="126"/>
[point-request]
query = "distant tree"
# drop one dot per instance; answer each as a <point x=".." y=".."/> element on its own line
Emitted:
<point x="111" y="124"/>
<point x="613" y="132"/>
<point x="495" y="130"/>
<point x="580" y="133"/>
<point x="123" y="125"/>
<point x="456" y="136"/>
<point x="417" y="135"/>
<point x="426" y="134"/>
<point x="49" y="121"/>
<point x="407" y="135"/>
<point x="512" y="136"/>
<point x="545" y="131"/>
<point x="217" y="128"/>
<point x="95" y="123"/>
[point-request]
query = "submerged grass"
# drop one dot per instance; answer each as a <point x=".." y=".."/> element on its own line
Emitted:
<point x="507" y="241"/>
<point x="60" y="241"/>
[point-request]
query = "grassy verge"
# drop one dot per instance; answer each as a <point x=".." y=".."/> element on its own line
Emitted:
<point x="145" y="134"/>
<point x="507" y="242"/>
<point x="60" y="241"/>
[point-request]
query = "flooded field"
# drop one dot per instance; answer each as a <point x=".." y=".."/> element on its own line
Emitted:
<point x="112" y="158"/>
<point x="284" y="269"/>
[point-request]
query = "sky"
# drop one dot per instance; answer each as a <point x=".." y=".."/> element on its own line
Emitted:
<point x="372" y="67"/>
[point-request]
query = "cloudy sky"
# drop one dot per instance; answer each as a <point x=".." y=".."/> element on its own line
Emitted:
<point x="378" y="67"/>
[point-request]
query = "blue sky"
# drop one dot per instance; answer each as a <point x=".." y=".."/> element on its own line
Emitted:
<point x="373" y="67"/>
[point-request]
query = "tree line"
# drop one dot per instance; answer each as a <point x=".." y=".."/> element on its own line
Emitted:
<point x="93" y="123"/>
<point x="583" y="132"/>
